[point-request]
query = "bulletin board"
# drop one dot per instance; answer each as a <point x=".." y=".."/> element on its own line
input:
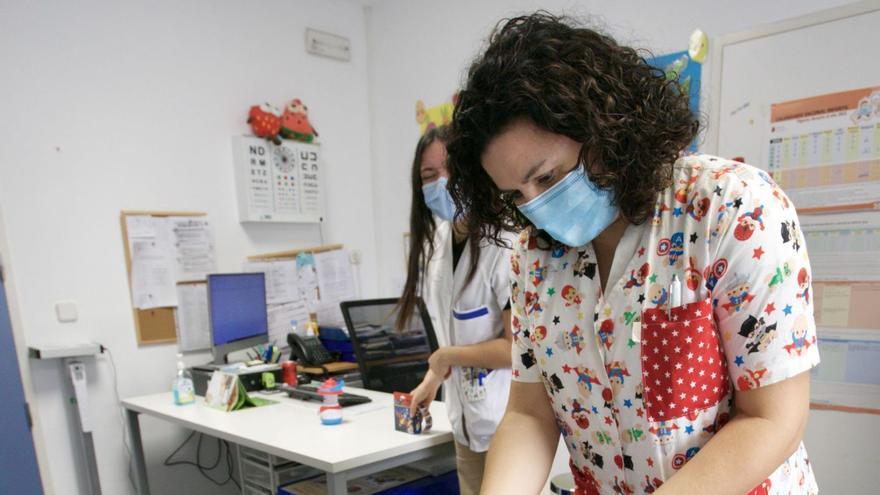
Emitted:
<point x="304" y="284"/>
<point x="154" y="325"/>
<point x="801" y="100"/>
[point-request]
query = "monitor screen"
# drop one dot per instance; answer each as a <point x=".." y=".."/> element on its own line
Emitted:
<point x="237" y="305"/>
<point x="390" y="359"/>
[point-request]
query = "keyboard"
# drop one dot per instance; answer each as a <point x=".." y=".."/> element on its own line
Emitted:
<point x="309" y="393"/>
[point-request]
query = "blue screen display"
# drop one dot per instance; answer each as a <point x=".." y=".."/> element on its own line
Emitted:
<point x="238" y="307"/>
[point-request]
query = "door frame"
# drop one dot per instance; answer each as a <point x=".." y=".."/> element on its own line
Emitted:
<point x="8" y="278"/>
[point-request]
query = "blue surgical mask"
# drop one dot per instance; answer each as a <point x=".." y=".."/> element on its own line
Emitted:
<point x="438" y="199"/>
<point x="574" y="211"/>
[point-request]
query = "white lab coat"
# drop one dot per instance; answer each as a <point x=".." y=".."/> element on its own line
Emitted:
<point x="469" y="314"/>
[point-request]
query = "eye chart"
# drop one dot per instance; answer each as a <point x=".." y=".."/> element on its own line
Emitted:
<point x="278" y="183"/>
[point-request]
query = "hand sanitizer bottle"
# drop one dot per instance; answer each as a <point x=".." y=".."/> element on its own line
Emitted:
<point x="183" y="389"/>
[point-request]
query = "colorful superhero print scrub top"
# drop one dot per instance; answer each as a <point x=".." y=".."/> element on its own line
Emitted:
<point x="637" y="391"/>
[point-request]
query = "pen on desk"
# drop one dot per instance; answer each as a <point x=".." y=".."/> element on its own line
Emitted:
<point x="674" y="294"/>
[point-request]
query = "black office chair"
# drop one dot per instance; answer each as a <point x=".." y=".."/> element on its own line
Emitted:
<point x="389" y="360"/>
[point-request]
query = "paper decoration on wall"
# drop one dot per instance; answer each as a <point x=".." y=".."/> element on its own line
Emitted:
<point x="436" y="116"/>
<point x="284" y="300"/>
<point x="164" y="251"/>
<point x="307" y="277"/>
<point x="868" y="109"/>
<point x="698" y="47"/>
<point x="281" y="279"/>
<point x="295" y="122"/>
<point x="848" y="379"/>
<point x="822" y="161"/>
<point x="191" y="317"/>
<point x="265" y="122"/>
<point x="679" y="66"/>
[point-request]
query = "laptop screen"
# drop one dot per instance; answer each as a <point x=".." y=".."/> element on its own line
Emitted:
<point x="390" y="360"/>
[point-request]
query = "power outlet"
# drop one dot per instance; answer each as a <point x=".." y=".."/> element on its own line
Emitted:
<point x="66" y="311"/>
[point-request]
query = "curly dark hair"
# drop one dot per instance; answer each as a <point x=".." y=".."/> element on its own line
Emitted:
<point x="631" y="121"/>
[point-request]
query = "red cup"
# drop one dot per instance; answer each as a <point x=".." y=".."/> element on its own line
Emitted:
<point x="288" y="372"/>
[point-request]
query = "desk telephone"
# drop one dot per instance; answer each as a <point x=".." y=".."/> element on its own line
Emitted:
<point x="308" y="351"/>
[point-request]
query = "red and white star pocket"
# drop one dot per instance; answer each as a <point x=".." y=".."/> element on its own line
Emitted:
<point x="683" y="366"/>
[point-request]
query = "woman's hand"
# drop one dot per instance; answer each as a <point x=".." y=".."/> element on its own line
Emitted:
<point x="439" y="362"/>
<point x="426" y="391"/>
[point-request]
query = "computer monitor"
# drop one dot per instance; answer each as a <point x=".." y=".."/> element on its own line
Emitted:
<point x="237" y="312"/>
<point x="389" y="360"/>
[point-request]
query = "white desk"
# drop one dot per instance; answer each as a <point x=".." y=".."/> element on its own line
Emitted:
<point x="365" y="443"/>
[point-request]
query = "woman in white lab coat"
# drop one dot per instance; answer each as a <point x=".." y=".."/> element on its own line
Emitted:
<point x="464" y="281"/>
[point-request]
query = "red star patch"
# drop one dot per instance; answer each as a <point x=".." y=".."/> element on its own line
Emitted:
<point x="641" y="252"/>
<point x="515" y="372"/>
<point x="650" y="462"/>
<point x="770" y="308"/>
<point x="640" y="412"/>
<point x="566" y="368"/>
<point x="608" y="420"/>
<point x="758" y="253"/>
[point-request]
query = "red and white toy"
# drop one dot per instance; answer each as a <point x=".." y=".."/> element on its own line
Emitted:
<point x="295" y="122"/>
<point x="265" y="121"/>
<point x="331" y="412"/>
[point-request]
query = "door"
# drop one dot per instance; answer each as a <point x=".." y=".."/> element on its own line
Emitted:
<point x="19" y="474"/>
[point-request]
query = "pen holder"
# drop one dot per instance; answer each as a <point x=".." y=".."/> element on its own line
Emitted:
<point x="420" y="422"/>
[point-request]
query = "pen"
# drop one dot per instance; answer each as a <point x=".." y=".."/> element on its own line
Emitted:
<point x="674" y="294"/>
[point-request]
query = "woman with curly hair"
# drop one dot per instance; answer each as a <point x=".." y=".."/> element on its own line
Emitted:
<point x="465" y="282"/>
<point x="650" y="327"/>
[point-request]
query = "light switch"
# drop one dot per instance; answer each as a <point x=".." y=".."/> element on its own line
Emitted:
<point x="66" y="311"/>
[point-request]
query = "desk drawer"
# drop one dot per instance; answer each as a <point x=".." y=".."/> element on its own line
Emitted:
<point x="263" y="472"/>
<point x="249" y="489"/>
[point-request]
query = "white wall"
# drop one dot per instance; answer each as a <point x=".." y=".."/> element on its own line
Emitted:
<point x="113" y="105"/>
<point x="419" y="50"/>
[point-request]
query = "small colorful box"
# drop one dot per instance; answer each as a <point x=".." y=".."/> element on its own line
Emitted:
<point x="421" y="421"/>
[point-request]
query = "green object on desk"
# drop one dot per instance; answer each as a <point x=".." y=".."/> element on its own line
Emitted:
<point x="268" y="380"/>
<point x="227" y="393"/>
<point x="245" y="400"/>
